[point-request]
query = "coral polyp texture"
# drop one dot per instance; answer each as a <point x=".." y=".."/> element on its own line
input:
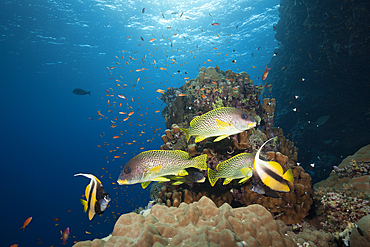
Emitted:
<point x="198" y="224"/>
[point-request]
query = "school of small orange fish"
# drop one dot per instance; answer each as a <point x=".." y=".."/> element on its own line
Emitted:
<point x="117" y="101"/>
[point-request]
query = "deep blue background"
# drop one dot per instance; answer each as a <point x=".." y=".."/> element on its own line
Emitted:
<point x="48" y="48"/>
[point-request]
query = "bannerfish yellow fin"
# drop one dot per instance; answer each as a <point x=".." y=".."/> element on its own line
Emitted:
<point x="222" y="125"/>
<point x="182" y="173"/>
<point x="212" y="177"/>
<point x="243" y="180"/>
<point x="177" y="183"/>
<point x="87" y="191"/>
<point x="145" y="184"/>
<point x="187" y="133"/>
<point x="276" y="185"/>
<point x="220" y="138"/>
<point x="84" y="203"/>
<point x="155" y="170"/>
<point x="246" y="171"/>
<point x="227" y="181"/>
<point x="91" y="215"/>
<point x="199" y="138"/>
<point x="288" y="176"/>
<point x="163" y="179"/>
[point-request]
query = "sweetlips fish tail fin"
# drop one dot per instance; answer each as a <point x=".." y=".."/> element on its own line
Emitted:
<point x="200" y="162"/>
<point x="212" y="177"/>
<point x="89" y="92"/>
<point x="288" y="176"/>
<point x="187" y="133"/>
<point x="84" y="203"/>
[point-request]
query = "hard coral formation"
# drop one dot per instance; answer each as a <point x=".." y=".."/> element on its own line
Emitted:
<point x="233" y="90"/>
<point x="353" y="170"/>
<point x="197" y="224"/>
<point x="360" y="239"/>
<point x="340" y="208"/>
<point x="305" y="234"/>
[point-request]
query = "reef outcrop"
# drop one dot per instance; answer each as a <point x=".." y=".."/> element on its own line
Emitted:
<point x="236" y="90"/>
<point x="198" y="224"/>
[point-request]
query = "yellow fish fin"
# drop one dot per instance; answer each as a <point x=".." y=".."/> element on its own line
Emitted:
<point x="145" y="184"/>
<point x="177" y="183"/>
<point x="246" y="171"/>
<point x="222" y="125"/>
<point x="91" y="214"/>
<point x="155" y="170"/>
<point x="220" y="138"/>
<point x="276" y="185"/>
<point x="288" y="176"/>
<point x="200" y="162"/>
<point x="201" y="180"/>
<point x="275" y="167"/>
<point x="194" y="121"/>
<point x="182" y="173"/>
<point x="183" y="154"/>
<point x="199" y="138"/>
<point x="87" y="191"/>
<point x="163" y="179"/>
<point x="84" y="203"/>
<point x="187" y="133"/>
<point x="227" y="181"/>
<point x="212" y="177"/>
<point x="243" y="180"/>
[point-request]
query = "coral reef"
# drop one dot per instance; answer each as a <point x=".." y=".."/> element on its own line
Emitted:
<point x="360" y="236"/>
<point x="340" y="209"/>
<point x="353" y="170"/>
<point x="197" y="224"/>
<point x="216" y="88"/>
<point x="305" y="234"/>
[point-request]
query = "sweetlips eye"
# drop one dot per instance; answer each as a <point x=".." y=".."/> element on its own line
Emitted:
<point x="244" y="116"/>
<point x="127" y="170"/>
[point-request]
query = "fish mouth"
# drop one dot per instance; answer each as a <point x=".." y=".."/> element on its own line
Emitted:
<point x="122" y="182"/>
<point x="252" y="125"/>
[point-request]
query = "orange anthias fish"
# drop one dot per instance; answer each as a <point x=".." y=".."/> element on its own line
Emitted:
<point x="26" y="223"/>
<point x="266" y="73"/>
<point x="65" y="235"/>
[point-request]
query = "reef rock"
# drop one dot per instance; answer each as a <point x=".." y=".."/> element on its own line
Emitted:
<point x="197" y="224"/>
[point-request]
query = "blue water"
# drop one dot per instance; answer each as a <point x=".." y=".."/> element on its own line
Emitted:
<point x="48" y="48"/>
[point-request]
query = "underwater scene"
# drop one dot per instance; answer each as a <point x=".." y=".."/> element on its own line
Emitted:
<point x="185" y="123"/>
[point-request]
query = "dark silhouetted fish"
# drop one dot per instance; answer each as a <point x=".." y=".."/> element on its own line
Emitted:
<point x="80" y="91"/>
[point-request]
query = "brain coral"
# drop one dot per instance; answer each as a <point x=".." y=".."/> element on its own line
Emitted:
<point x="197" y="224"/>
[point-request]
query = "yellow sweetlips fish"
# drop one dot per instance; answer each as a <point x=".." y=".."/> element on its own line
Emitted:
<point x="96" y="198"/>
<point x="239" y="166"/>
<point x="271" y="173"/>
<point x="154" y="165"/>
<point x="221" y="122"/>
